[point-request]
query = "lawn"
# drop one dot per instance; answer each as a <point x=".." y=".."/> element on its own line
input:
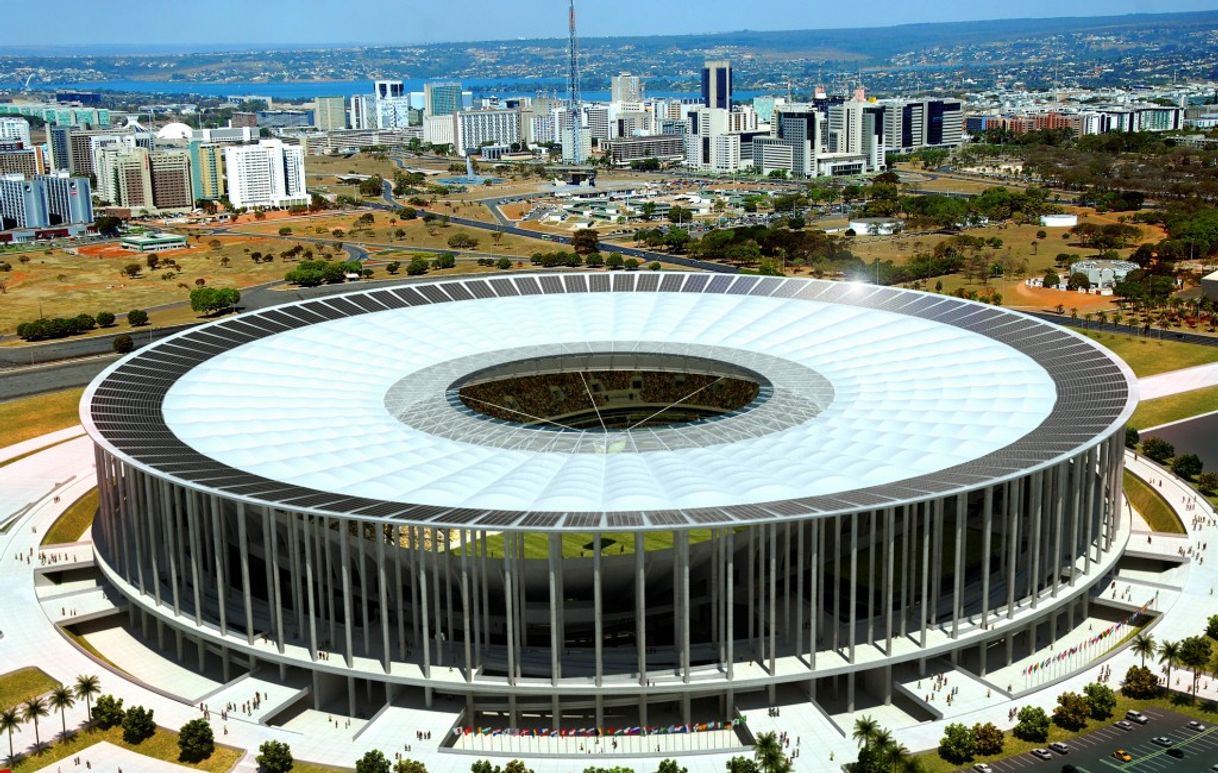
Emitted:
<point x="1164" y="410"/>
<point x="1148" y="356"/>
<point x="360" y="163"/>
<point x="16" y="686"/>
<point x="74" y="522"/>
<point x="163" y="745"/>
<point x="31" y="417"/>
<point x="1152" y="506"/>
<point x="56" y="283"/>
<point x="313" y="767"/>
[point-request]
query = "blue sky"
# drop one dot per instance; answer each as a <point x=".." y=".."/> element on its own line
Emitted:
<point x="226" y="22"/>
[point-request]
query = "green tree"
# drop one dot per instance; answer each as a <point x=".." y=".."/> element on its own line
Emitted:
<point x="736" y="765"/>
<point x="372" y="762"/>
<point x="88" y="685"/>
<point x="1131" y="437"/>
<point x="31" y="710"/>
<point x="1207" y="482"/>
<point x="503" y="264"/>
<point x="108" y="712"/>
<point x="138" y="724"/>
<point x="123" y="344"/>
<point x="1187" y="466"/>
<point x="1071" y="711"/>
<point x="768" y="753"/>
<point x="417" y="266"/>
<point x="586" y="241"/>
<point x="132" y="270"/>
<point x="670" y="766"/>
<point x="987" y="738"/>
<point x="62" y="699"/>
<point x="409" y="766"/>
<point x="864" y="730"/>
<point x="137" y="317"/>
<point x="1140" y="682"/>
<point x="957" y="744"/>
<point x="462" y="241"/>
<point x="212" y="300"/>
<point x="1101" y="700"/>
<point x="274" y="757"/>
<point x="393" y="266"/>
<point x="1195" y="654"/>
<point x="1158" y="449"/>
<point x="10" y="720"/>
<point x="1033" y="724"/>
<point x="104" y="319"/>
<point x="196" y="741"/>
<point x="1143" y="646"/>
<point x="1169" y="655"/>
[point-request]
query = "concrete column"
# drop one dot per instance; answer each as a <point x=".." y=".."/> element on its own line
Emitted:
<point x="243" y="541"/>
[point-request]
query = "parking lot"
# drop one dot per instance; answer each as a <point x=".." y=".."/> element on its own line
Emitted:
<point x="1092" y="753"/>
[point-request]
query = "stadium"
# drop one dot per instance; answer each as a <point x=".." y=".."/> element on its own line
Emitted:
<point x="608" y="500"/>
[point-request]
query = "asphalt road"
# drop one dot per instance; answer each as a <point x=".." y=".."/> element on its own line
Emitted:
<point x="49" y="378"/>
<point x="1092" y="752"/>
<point x="1196" y="436"/>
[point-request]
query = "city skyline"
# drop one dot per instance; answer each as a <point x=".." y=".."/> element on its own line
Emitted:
<point x="269" y="24"/>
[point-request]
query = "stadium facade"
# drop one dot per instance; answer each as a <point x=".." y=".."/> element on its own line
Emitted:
<point x="878" y="476"/>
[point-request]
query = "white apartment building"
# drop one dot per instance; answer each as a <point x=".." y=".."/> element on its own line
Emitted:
<point x="496" y="127"/>
<point x="269" y="174"/>
<point x="362" y="113"/>
<point x="14" y="128"/>
<point x="626" y="88"/>
<point x="440" y="129"/>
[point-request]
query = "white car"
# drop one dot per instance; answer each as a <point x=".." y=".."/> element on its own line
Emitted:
<point x="981" y="767"/>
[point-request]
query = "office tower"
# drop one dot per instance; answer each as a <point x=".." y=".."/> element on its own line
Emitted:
<point x="363" y="112"/>
<point x="389" y="89"/>
<point x="172" y="188"/>
<point x="393" y="113"/>
<point x="913" y="124"/>
<point x="597" y="119"/>
<point x="717" y="84"/>
<point x="22" y="203"/>
<point x="330" y="114"/>
<point x="12" y="128"/>
<point x="59" y="141"/>
<point x="269" y="174"/>
<point x="441" y="98"/>
<point x="626" y="88"/>
<point x="69" y="199"/>
<point x="207" y="169"/>
<point x="478" y="127"/>
<point x="143" y="180"/>
<point x="18" y="159"/>
<point x="764" y="106"/>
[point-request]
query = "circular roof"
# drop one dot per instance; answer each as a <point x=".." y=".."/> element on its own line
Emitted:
<point x="175" y="131"/>
<point x="345" y="405"/>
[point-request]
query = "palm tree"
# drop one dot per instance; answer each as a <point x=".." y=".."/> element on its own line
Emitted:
<point x="31" y="710"/>
<point x="62" y="699"/>
<point x="865" y="729"/>
<point x="87" y="685"/>
<point x="768" y="752"/>
<point x="1169" y="655"/>
<point x="1144" y="645"/>
<point x="10" y="720"/>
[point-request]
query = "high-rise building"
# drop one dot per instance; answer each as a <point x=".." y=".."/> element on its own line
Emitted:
<point x="362" y="114"/>
<point x="389" y="89"/>
<point x="269" y="174"/>
<point x="393" y="113"/>
<point x="15" y="128"/>
<point x="69" y="199"/>
<point x="59" y="142"/>
<point x="145" y="181"/>
<point x="18" y="159"/>
<point x="441" y="98"/>
<point x="330" y="114"/>
<point x="172" y="186"/>
<point x="478" y="127"/>
<point x="626" y="88"/>
<point x="913" y="124"/>
<point x="22" y="202"/>
<point x="597" y="119"/>
<point x="717" y="84"/>
<point x="207" y="169"/>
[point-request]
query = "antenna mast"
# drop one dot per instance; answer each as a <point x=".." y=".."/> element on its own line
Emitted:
<point x="574" y="98"/>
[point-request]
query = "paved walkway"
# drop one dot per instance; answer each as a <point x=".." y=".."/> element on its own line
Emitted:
<point x="1183" y="380"/>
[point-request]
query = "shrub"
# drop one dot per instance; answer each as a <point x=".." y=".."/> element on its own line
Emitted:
<point x="1187" y="466"/>
<point x="462" y="241"/>
<point x="137" y="317"/>
<point x="138" y="724"/>
<point x="274" y="757"/>
<point x="124" y="344"/>
<point x="417" y="266"/>
<point x="1071" y="711"/>
<point x="1158" y="449"/>
<point x="987" y="738"/>
<point x="1033" y="724"/>
<point x="1131" y="437"/>
<point x="196" y="740"/>
<point x="1101" y="700"/>
<point x="108" y="711"/>
<point x="393" y="267"/>
<point x="1140" y="682"/>
<point x="409" y="766"/>
<point x="372" y="762"/>
<point x="1208" y="482"/>
<point x="105" y="319"/>
<point x="957" y="745"/>
<point x="503" y="264"/>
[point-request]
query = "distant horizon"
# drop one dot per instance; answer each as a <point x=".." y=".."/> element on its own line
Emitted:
<point x="548" y="26"/>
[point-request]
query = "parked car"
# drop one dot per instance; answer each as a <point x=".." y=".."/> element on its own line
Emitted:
<point x="1195" y="725"/>
<point x="1176" y="752"/>
<point x="982" y="767"/>
<point x="1124" y="724"/>
<point x="1136" y="716"/>
<point x="1059" y="747"/>
<point x="1162" y="740"/>
<point x="1122" y="755"/>
<point x="1044" y="754"/>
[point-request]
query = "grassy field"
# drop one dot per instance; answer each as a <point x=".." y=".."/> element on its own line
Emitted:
<point x="1148" y="356"/>
<point x="30" y="417"/>
<point x="16" y="686"/>
<point x="313" y="767"/>
<point x="74" y="522"/>
<point x="1013" y="747"/>
<point x="163" y="745"/>
<point x="1151" y="504"/>
<point x="55" y="283"/>
<point x="360" y="163"/>
<point x="1164" y="410"/>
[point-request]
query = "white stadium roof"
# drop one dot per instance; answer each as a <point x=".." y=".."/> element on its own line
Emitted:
<point x="877" y="395"/>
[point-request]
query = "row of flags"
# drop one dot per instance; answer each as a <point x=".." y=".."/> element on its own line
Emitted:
<point x="1090" y="642"/>
<point x="600" y="732"/>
